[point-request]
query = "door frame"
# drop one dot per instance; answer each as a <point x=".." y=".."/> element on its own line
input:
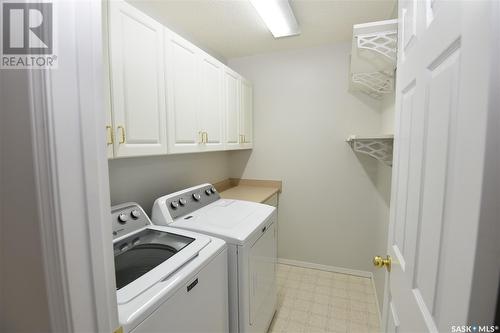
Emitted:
<point x="71" y="174"/>
<point x="482" y="299"/>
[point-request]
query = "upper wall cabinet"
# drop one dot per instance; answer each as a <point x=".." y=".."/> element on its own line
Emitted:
<point x="212" y="107"/>
<point x="246" y="120"/>
<point x="137" y="82"/>
<point x="195" y="113"/>
<point x="110" y="139"/>
<point x="232" y="84"/>
<point x="169" y="96"/>
<point x="181" y="64"/>
<point x="238" y="106"/>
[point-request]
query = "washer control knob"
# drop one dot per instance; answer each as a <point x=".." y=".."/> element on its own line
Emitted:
<point x="213" y="189"/>
<point x="196" y="196"/>
<point x="208" y="191"/>
<point x="174" y="204"/>
<point x="182" y="201"/>
<point x="122" y="218"/>
<point x="135" y="214"/>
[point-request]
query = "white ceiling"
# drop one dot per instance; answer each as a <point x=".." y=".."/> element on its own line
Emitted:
<point x="232" y="28"/>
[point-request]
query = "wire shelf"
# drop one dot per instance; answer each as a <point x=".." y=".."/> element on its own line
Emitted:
<point x="384" y="42"/>
<point x="375" y="84"/>
<point x="373" y="57"/>
<point x="378" y="147"/>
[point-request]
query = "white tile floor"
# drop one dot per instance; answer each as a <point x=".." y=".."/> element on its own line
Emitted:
<point x="311" y="300"/>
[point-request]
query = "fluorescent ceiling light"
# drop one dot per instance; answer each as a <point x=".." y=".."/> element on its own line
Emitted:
<point x="278" y="16"/>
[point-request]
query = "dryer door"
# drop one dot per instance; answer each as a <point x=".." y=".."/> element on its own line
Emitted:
<point x="262" y="278"/>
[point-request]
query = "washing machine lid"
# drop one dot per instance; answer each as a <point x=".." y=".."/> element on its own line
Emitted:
<point x="232" y="220"/>
<point x="150" y="255"/>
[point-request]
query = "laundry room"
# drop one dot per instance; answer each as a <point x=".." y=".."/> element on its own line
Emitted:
<point x="273" y="120"/>
<point x="244" y="166"/>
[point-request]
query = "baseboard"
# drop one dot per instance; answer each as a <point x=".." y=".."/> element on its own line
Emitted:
<point x="335" y="269"/>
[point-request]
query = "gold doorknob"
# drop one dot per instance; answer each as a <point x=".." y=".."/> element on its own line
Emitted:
<point x="379" y="262"/>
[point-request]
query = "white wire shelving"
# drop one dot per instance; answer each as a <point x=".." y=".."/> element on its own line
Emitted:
<point x="373" y="58"/>
<point x="384" y="42"/>
<point x="375" y="83"/>
<point x="379" y="147"/>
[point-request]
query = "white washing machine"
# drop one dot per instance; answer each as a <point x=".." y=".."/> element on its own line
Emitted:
<point x="249" y="229"/>
<point x="167" y="278"/>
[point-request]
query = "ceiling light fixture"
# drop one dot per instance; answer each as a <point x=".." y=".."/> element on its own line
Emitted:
<point x="278" y="16"/>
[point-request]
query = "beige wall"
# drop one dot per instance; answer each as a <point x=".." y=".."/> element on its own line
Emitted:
<point x="144" y="179"/>
<point x="387" y="113"/>
<point x="334" y="205"/>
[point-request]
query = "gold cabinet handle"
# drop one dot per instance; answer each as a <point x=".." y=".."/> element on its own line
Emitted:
<point x="380" y="262"/>
<point x="203" y="137"/>
<point x="122" y="137"/>
<point x="110" y="134"/>
<point x="242" y="140"/>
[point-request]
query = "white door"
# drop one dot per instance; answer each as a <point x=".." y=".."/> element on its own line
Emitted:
<point x="183" y="94"/>
<point x="232" y="108"/>
<point x="441" y="103"/>
<point x="211" y="110"/>
<point x="138" y="90"/>
<point x="246" y="118"/>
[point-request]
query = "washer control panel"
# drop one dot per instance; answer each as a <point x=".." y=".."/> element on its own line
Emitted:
<point x="127" y="218"/>
<point x="188" y="201"/>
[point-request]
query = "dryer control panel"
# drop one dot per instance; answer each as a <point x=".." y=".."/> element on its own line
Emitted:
<point x="192" y="199"/>
<point x="186" y="201"/>
<point x="127" y="218"/>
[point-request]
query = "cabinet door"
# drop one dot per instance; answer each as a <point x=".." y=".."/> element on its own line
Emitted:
<point x="138" y="86"/>
<point x="246" y="113"/>
<point x="110" y="140"/>
<point x="232" y="105"/>
<point x="183" y="94"/>
<point x="211" y="112"/>
<point x="262" y="284"/>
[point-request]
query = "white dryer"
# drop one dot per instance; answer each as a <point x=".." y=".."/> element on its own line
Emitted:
<point x="167" y="278"/>
<point x="249" y="229"/>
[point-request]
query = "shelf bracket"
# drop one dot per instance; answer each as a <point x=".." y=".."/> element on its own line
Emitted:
<point x="384" y="43"/>
<point x="379" y="148"/>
